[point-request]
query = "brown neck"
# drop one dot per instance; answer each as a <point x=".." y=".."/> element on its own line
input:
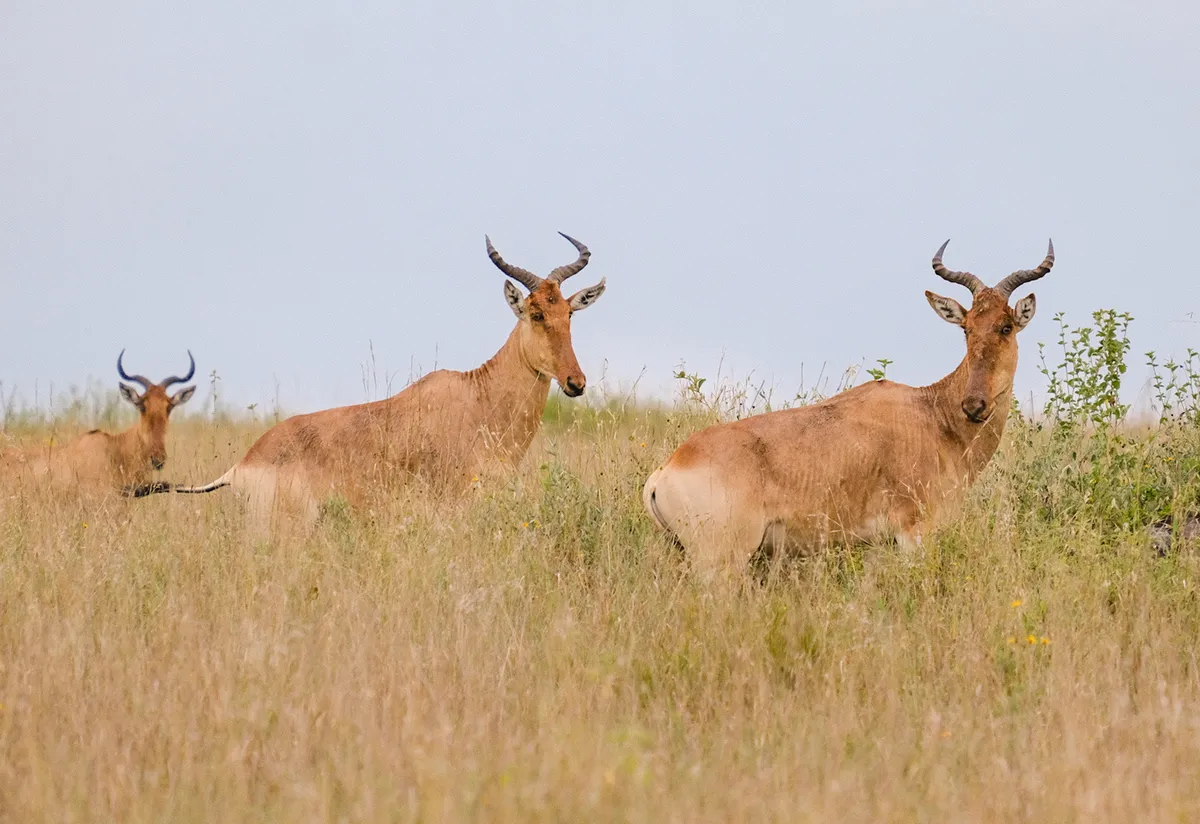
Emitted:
<point x="514" y="395"/>
<point x="976" y="442"/>
<point x="128" y="453"/>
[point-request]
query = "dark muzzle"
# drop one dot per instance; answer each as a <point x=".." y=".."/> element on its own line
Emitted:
<point x="975" y="408"/>
<point x="574" y="386"/>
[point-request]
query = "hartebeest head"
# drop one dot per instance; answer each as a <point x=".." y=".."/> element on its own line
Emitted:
<point x="990" y="326"/>
<point x="545" y="316"/>
<point x="154" y="406"/>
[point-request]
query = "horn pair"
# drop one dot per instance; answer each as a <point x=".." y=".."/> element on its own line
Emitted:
<point x="1004" y="287"/>
<point x="531" y="281"/>
<point x="146" y="383"/>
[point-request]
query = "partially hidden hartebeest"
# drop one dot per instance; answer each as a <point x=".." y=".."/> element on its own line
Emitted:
<point x="880" y="460"/>
<point x="446" y="428"/>
<point x="99" y="461"/>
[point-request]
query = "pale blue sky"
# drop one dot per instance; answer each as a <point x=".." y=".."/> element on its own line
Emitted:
<point x="276" y="184"/>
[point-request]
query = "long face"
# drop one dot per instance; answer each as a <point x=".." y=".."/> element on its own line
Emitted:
<point x="991" y="327"/>
<point x="154" y="408"/>
<point x="544" y="316"/>
<point x="545" y="320"/>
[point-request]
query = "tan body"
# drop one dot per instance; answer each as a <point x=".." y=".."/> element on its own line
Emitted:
<point x="445" y="429"/>
<point x="96" y="461"/>
<point x="856" y="467"/>
<point x="879" y="460"/>
<point x="99" y="462"/>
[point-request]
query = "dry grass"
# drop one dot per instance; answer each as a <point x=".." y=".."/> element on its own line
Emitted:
<point x="538" y="652"/>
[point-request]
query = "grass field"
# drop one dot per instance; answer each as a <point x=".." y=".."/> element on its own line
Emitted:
<point x="537" y="651"/>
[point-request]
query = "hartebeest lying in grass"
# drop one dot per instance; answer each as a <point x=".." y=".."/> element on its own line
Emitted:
<point x="99" y="461"/>
<point x="879" y="460"/>
<point x="446" y="428"/>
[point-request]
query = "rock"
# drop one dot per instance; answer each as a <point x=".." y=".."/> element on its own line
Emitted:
<point x="1161" y="533"/>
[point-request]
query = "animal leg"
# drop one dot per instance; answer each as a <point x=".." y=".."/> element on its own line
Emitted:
<point x="278" y="502"/>
<point x="910" y="545"/>
<point x="718" y="532"/>
<point x="910" y="541"/>
<point x="719" y="564"/>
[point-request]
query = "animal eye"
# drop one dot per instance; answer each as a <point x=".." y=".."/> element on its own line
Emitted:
<point x="1005" y="330"/>
<point x="538" y="316"/>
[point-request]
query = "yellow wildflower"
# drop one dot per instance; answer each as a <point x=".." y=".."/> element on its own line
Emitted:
<point x="1016" y="603"/>
<point x="1032" y="639"/>
<point x="1045" y="640"/>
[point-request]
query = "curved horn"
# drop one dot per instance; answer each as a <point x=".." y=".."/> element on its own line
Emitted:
<point x="146" y="384"/>
<point x="1022" y="276"/>
<point x="563" y="272"/>
<point x="185" y="378"/>
<point x="963" y="278"/>
<point x="522" y="276"/>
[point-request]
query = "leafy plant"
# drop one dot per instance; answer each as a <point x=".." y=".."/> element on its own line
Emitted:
<point x="1176" y="386"/>
<point x="1085" y="387"/>
<point x="880" y="372"/>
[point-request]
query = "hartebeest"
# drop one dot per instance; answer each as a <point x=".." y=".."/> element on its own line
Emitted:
<point x="876" y="461"/>
<point x="99" y="461"/>
<point x="447" y="428"/>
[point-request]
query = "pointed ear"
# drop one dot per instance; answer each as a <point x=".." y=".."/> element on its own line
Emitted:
<point x="586" y="297"/>
<point x="1023" y="311"/>
<point x="182" y="396"/>
<point x="950" y="309"/>
<point x="130" y="394"/>
<point x="516" y="301"/>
